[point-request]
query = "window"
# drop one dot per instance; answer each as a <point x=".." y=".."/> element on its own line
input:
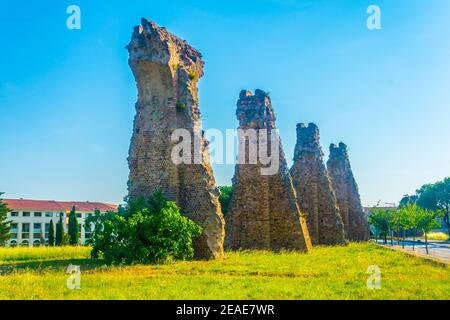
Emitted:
<point x="25" y="242"/>
<point x="13" y="243"/>
<point x="25" y="227"/>
<point x="25" y="214"/>
<point x="37" y="227"/>
<point x="25" y="231"/>
<point x="49" y="214"/>
<point x="47" y="227"/>
<point x="14" y="214"/>
<point x="38" y="214"/>
<point x="79" y="215"/>
<point x="13" y="227"/>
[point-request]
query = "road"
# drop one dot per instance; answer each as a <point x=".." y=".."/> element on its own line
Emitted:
<point x="437" y="249"/>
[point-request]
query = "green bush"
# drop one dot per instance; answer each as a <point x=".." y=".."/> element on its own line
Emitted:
<point x="193" y="75"/>
<point x="180" y="106"/>
<point x="152" y="231"/>
<point x="226" y="193"/>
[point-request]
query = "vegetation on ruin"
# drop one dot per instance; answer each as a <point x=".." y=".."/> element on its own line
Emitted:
<point x="180" y="106"/>
<point x="192" y="75"/>
<point x="325" y="273"/>
<point x="147" y="231"/>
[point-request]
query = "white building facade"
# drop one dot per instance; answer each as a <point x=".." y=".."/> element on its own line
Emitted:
<point x="31" y="219"/>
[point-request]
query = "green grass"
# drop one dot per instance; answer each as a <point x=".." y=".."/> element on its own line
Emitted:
<point x="436" y="236"/>
<point x="325" y="273"/>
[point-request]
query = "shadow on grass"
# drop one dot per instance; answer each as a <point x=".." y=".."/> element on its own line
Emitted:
<point x="51" y="265"/>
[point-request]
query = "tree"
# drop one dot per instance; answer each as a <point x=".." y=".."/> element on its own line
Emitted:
<point x="51" y="234"/>
<point x="148" y="231"/>
<point x="65" y="239"/>
<point x="436" y="197"/>
<point x="225" y="198"/>
<point x="379" y="219"/>
<point x="59" y="231"/>
<point x="5" y="226"/>
<point x="426" y="221"/>
<point x="406" y="219"/>
<point x="408" y="199"/>
<point x="73" y="227"/>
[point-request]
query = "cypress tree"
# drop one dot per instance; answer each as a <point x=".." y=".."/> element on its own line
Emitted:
<point x="51" y="234"/>
<point x="5" y="226"/>
<point x="59" y="231"/>
<point x="73" y="227"/>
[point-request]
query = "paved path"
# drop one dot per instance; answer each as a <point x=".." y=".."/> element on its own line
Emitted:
<point x="437" y="249"/>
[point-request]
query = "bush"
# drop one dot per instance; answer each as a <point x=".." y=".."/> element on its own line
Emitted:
<point x="226" y="192"/>
<point x="152" y="231"/>
<point x="180" y="106"/>
<point x="437" y="236"/>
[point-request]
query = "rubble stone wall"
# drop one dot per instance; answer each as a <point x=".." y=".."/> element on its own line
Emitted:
<point x="167" y="69"/>
<point x="314" y="192"/>
<point x="263" y="212"/>
<point x="346" y="190"/>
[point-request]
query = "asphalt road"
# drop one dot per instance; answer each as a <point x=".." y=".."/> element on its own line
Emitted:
<point x="436" y="249"/>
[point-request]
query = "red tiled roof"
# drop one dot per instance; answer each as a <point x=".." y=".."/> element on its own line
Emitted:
<point x="59" y="206"/>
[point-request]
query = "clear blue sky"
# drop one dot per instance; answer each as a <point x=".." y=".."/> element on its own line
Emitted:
<point x="67" y="97"/>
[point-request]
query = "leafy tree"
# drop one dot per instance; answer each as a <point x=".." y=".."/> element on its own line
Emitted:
<point x="147" y="231"/>
<point x="436" y="197"/>
<point x="73" y="227"/>
<point x="5" y="226"/>
<point x="379" y="219"/>
<point x="59" y="231"/>
<point x="65" y="239"/>
<point x="426" y="221"/>
<point x="51" y="234"/>
<point x="406" y="219"/>
<point x="408" y="199"/>
<point x="226" y="193"/>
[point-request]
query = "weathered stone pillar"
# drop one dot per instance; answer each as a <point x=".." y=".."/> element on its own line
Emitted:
<point x="347" y="194"/>
<point x="263" y="212"/>
<point x="314" y="192"/>
<point x="167" y="69"/>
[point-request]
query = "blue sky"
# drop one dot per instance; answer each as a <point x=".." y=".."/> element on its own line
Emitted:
<point x="67" y="96"/>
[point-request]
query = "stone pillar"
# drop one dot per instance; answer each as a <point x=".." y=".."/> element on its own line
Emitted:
<point x="167" y="69"/>
<point x="347" y="194"/>
<point x="314" y="192"/>
<point x="263" y="211"/>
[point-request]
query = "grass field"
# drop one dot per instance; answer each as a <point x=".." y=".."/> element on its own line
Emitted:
<point x="326" y="273"/>
<point x="436" y="236"/>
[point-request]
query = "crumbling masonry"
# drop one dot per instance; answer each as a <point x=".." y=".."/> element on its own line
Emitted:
<point x="314" y="192"/>
<point x="346" y="190"/>
<point x="166" y="69"/>
<point x="263" y="212"/>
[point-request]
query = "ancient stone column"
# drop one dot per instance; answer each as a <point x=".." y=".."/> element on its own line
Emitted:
<point x="167" y="69"/>
<point x="346" y="190"/>
<point x="263" y="212"/>
<point x="314" y="192"/>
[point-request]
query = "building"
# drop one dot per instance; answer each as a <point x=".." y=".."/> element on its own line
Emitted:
<point x="30" y="219"/>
